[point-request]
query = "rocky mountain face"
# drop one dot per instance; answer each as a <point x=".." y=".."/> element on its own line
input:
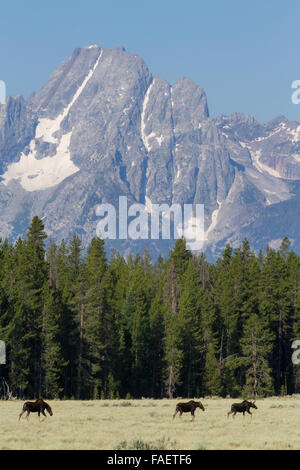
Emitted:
<point x="103" y="126"/>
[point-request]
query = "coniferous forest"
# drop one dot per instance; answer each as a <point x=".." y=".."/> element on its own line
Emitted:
<point x="79" y="325"/>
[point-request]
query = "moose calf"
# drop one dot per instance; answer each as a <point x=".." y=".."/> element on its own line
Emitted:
<point x="38" y="406"/>
<point x="188" y="407"/>
<point x="241" y="408"/>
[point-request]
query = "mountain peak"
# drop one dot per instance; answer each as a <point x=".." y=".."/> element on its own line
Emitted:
<point x="92" y="46"/>
<point x="102" y="126"/>
<point x="120" y="48"/>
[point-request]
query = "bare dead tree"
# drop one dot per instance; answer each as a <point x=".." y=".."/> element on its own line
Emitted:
<point x="7" y="392"/>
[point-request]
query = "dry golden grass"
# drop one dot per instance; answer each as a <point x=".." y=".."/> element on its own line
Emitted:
<point x="112" y="424"/>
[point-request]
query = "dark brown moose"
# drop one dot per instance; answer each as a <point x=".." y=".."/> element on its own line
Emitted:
<point x="241" y="408"/>
<point x="39" y="406"/>
<point x="188" y="407"/>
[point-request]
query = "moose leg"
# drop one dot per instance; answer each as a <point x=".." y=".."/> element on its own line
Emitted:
<point x="176" y="411"/>
<point x="20" y="415"/>
<point x="44" y="414"/>
<point x="229" y="413"/>
<point x="28" y="413"/>
<point x="248" y="411"/>
<point x="193" y="415"/>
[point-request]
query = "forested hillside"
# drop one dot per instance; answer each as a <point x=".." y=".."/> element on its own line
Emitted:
<point x="77" y="324"/>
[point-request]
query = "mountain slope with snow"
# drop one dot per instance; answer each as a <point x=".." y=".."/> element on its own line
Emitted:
<point x="103" y="126"/>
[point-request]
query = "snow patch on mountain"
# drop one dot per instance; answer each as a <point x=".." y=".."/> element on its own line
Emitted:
<point x="48" y="127"/>
<point x="296" y="134"/>
<point x="278" y="129"/>
<point x="38" y="174"/>
<point x="159" y="139"/>
<point x="35" y="174"/>
<point x="146" y="138"/>
<point x="261" y="166"/>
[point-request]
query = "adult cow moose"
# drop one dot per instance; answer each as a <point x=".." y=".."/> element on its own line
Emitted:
<point x="188" y="407"/>
<point x="242" y="408"/>
<point x="39" y="406"/>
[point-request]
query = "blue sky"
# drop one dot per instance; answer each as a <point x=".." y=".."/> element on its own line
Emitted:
<point x="244" y="54"/>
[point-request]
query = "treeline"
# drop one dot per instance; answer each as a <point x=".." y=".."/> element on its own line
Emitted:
<point x="77" y="325"/>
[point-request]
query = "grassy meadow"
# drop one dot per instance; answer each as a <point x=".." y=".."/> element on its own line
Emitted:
<point x="144" y="424"/>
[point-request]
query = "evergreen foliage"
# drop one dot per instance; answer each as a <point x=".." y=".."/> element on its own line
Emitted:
<point x="79" y="325"/>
